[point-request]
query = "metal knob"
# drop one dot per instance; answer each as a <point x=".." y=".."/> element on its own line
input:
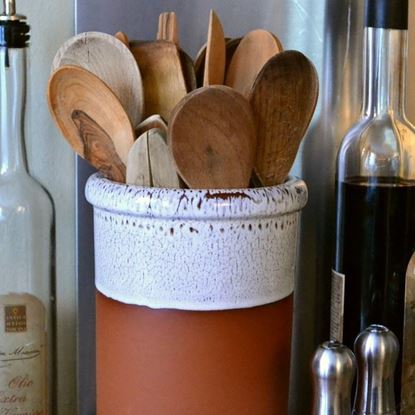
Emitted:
<point x="9" y="12"/>
<point x="333" y="369"/>
<point x="376" y="350"/>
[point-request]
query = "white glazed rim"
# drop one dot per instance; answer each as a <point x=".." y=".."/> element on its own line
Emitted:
<point x="285" y="198"/>
<point x="279" y="200"/>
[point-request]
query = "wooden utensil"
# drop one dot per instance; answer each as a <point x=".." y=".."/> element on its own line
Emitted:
<point x="164" y="84"/>
<point x="168" y="28"/>
<point x="212" y="138"/>
<point x="199" y="64"/>
<point x="154" y="121"/>
<point x="283" y="98"/>
<point x="254" y="50"/>
<point x="112" y="61"/>
<point x="122" y="37"/>
<point x="150" y="162"/>
<point x="91" y="118"/>
<point x="214" y="73"/>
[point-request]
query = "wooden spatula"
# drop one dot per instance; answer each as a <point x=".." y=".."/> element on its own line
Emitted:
<point x="164" y="84"/>
<point x="91" y="118"/>
<point x="254" y="50"/>
<point x="212" y="138"/>
<point x="214" y="73"/>
<point x="108" y="58"/>
<point x="283" y="98"/>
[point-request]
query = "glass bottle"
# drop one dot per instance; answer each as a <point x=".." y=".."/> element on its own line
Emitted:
<point x="376" y="187"/>
<point x="26" y="241"/>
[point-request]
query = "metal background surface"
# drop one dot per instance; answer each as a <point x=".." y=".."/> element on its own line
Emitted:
<point x="330" y="33"/>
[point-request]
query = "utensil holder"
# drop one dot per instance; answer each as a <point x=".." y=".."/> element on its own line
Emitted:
<point x="194" y="297"/>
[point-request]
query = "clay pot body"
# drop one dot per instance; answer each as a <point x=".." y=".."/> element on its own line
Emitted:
<point x="194" y="298"/>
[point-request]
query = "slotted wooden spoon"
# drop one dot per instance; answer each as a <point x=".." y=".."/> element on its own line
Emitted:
<point x="150" y="162"/>
<point x="168" y="28"/>
<point x="212" y="138"/>
<point x="92" y="119"/>
<point x="283" y="98"/>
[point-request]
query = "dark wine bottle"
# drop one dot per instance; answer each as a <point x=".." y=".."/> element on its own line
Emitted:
<point x="376" y="189"/>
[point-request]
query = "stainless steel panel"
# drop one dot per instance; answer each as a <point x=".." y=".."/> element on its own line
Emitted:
<point x="330" y="33"/>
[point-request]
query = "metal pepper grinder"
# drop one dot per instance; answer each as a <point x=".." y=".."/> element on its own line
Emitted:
<point x="376" y="350"/>
<point x="333" y="369"/>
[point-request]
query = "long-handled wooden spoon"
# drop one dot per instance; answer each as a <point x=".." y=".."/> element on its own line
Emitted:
<point x="254" y="50"/>
<point x="92" y="119"/>
<point x="214" y="73"/>
<point x="109" y="59"/>
<point x="212" y="138"/>
<point x="150" y="162"/>
<point x="164" y="84"/>
<point x="283" y="98"/>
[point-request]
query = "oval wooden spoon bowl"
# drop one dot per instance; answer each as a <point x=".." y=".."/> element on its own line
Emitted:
<point x="283" y="98"/>
<point x="212" y="138"/>
<point x="108" y="58"/>
<point x="92" y="119"/>
<point x="254" y="50"/>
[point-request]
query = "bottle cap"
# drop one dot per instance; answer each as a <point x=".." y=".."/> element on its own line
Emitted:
<point x="387" y="14"/>
<point x="14" y="31"/>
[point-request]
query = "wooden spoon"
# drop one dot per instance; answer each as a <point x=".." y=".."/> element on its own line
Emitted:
<point x="212" y="138"/>
<point x="150" y="162"/>
<point x="122" y="37"/>
<point x="154" y="121"/>
<point x="168" y="28"/>
<point x="254" y="50"/>
<point x="214" y="73"/>
<point x="112" y="61"/>
<point x="91" y="118"/>
<point x="283" y="98"/>
<point x="164" y="84"/>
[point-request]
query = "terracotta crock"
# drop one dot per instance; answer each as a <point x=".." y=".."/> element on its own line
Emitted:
<point x="194" y="298"/>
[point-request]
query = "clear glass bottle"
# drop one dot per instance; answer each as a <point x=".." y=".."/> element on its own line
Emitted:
<point x="26" y="241"/>
<point x="376" y="184"/>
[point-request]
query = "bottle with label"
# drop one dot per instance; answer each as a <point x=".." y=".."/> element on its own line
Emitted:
<point x="26" y="241"/>
<point x="376" y="188"/>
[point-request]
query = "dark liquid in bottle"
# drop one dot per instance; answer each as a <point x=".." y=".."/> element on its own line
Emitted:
<point x="375" y="241"/>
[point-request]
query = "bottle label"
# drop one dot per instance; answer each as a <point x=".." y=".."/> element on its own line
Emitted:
<point x="337" y="306"/>
<point x="23" y="364"/>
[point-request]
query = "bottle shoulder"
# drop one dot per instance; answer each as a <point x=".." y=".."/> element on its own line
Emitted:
<point x="382" y="145"/>
<point x="23" y="191"/>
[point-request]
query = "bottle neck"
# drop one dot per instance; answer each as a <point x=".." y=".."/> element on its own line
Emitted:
<point x="12" y="107"/>
<point x="385" y="74"/>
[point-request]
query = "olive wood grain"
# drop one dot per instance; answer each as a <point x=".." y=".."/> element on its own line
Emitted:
<point x="109" y="59"/>
<point x="212" y="138"/>
<point x="283" y="99"/>
<point x="91" y="118"/>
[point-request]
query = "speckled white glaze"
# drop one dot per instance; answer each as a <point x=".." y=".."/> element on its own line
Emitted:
<point x="195" y="249"/>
